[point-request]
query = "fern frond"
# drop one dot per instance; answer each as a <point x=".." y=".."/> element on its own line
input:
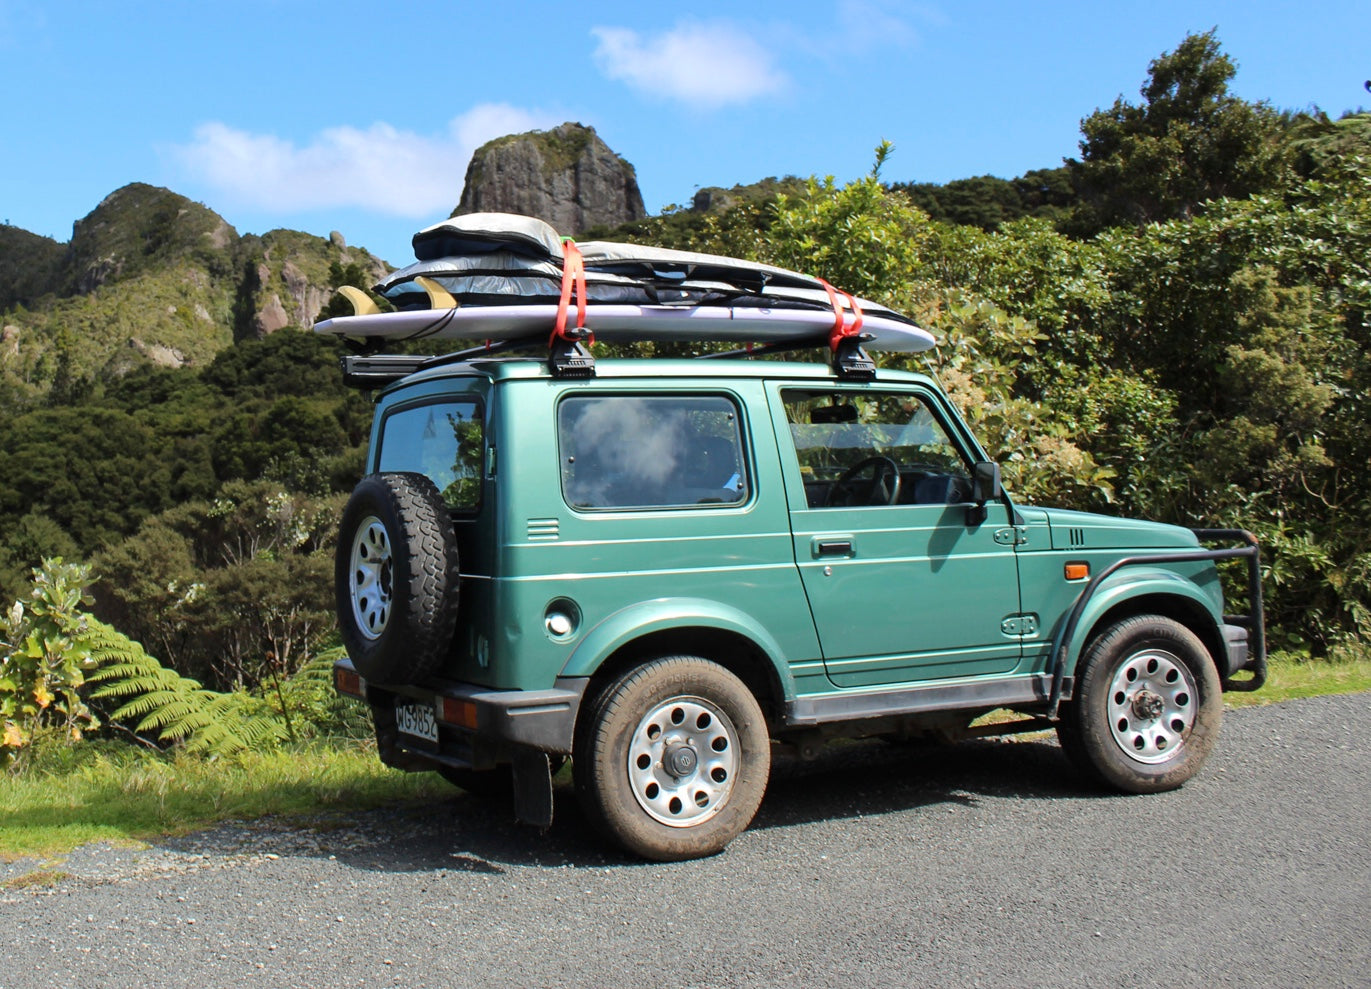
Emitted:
<point x="176" y="708"/>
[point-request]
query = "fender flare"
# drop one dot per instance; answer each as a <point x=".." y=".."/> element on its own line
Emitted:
<point x="1127" y="585"/>
<point x="667" y="614"/>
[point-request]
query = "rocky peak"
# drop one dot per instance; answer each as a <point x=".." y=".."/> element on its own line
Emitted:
<point x="139" y="228"/>
<point x="567" y="176"/>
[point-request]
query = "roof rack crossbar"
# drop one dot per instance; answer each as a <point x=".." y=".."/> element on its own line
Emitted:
<point x="369" y="371"/>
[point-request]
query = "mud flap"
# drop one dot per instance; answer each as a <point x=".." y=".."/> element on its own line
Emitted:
<point x="533" y="788"/>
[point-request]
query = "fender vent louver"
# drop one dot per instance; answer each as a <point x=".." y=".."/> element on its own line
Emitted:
<point x="1076" y="537"/>
<point x="543" y="530"/>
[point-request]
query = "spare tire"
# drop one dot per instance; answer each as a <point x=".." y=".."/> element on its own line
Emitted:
<point x="395" y="578"/>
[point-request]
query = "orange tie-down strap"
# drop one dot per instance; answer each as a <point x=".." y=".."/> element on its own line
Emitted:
<point x="841" y="327"/>
<point x="573" y="282"/>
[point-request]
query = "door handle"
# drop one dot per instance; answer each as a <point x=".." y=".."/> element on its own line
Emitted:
<point x="831" y="545"/>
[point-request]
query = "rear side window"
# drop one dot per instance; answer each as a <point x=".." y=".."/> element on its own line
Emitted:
<point x="650" y="451"/>
<point x="442" y="440"/>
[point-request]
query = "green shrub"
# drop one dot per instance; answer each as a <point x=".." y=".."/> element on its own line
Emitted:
<point x="45" y="661"/>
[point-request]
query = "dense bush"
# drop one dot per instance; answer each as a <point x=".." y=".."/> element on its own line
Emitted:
<point x="64" y="675"/>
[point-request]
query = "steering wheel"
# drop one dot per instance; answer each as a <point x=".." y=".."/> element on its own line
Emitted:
<point x="873" y="494"/>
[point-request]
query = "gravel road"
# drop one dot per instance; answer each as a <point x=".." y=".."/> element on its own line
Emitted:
<point x="987" y="863"/>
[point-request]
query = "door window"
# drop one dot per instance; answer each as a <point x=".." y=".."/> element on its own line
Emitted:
<point x="863" y="448"/>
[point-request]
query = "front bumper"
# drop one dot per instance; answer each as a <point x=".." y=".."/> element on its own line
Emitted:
<point x="1238" y="651"/>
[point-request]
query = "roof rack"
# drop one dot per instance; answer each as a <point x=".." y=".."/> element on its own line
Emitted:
<point x="369" y="371"/>
<point x="571" y="359"/>
<point x="849" y="361"/>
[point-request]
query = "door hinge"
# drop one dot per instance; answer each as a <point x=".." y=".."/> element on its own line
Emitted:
<point x="1020" y="625"/>
<point x="1014" y="535"/>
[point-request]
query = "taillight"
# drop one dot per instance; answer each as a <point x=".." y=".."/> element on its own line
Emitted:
<point x="452" y="711"/>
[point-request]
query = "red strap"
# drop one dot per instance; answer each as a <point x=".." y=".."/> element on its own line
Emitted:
<point x="573" y="277"/>
<point x="841" y="327"/>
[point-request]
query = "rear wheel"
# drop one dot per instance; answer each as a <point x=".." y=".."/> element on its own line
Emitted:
<point x="672" y="758"/>
<point x="1147" y="706"/>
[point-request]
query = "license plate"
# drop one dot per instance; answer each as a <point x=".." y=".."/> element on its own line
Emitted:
<point x="417" y="720"/>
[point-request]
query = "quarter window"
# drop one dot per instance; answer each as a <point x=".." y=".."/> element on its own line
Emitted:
<point x="442" y="440"/>
<point x="650" y="451"/>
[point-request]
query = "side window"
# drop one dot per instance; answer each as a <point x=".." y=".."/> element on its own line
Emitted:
<point x="864" y="448"/>
<point x="445" y="441"/>
<point x="650" y="451"/>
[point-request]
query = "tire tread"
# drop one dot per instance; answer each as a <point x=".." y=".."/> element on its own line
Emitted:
<point x="419" y="631"/>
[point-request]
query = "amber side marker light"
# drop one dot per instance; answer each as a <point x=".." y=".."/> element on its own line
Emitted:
<point x="348" y="682"/>
<point x="1077" y="571"/>
<point x="454" y="712"/>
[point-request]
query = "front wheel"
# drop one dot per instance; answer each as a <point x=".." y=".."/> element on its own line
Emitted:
<point x="672" y="758"/>
<point x="1147" y="706"/>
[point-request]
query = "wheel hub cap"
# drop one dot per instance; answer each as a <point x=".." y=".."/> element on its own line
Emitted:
<point x="682" y="758"/>
<point x="370" y="578"/>
<point x="1152" y="706"/>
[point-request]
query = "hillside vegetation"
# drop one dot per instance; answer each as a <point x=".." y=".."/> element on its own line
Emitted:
<point x="1172" y="325"/>
<point x="150" y="278"/>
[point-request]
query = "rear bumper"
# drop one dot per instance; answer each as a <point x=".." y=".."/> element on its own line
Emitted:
<point x="477" y="726"/>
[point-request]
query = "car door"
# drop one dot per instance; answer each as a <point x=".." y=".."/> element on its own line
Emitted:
<point x="905" y="581"/>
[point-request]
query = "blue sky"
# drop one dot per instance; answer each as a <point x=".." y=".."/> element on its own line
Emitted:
<point x="360" y="117"/>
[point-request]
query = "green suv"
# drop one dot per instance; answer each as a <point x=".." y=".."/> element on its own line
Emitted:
<point x="659" y="568"/>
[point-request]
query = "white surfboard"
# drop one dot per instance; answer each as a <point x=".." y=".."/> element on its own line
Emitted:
<point x="629" y="323"/>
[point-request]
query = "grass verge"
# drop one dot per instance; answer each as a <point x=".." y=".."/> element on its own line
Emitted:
<point x="1290" y="675"/>
<point x="105" y="791"/>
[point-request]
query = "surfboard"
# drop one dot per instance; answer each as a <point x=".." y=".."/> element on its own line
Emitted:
<point x="630" y="323"/>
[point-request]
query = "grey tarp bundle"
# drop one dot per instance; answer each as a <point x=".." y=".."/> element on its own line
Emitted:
<point x="504" y="258"/>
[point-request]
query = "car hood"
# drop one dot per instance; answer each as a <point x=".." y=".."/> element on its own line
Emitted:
<point x="1085" y="530"/>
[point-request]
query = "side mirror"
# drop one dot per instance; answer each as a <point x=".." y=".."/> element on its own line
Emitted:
<point x="985" y="486"/>
<point x="985" y="482"/>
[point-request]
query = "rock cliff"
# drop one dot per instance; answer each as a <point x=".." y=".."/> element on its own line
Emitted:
<point x="566" y="176"/>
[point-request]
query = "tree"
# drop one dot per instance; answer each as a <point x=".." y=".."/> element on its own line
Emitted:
<point x="30" y="541"/>
<point x="1189" y="142"/>
<point x="989" y="202"/>
<point x="235" y="592"/>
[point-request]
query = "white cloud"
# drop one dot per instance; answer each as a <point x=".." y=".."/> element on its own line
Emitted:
<point x="867" y="24"/>
<point x="381" y="168"/>
<point x="705" y="65"/>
